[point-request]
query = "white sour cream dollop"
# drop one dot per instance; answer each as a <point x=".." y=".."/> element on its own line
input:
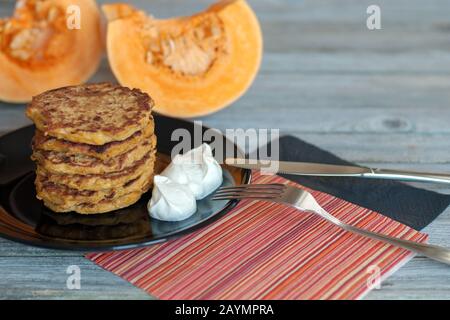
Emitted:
<point x="170" y="200"/>
<point x="197" y="169"/>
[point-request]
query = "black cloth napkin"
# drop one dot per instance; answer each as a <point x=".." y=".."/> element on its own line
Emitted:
<point x="409" y="205"/>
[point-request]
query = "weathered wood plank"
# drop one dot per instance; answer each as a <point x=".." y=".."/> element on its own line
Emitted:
<point x="419" y="279"/>
<point x="9" y="249"/>
<point x="342" y="63"/>
<point x="45" y="278"/>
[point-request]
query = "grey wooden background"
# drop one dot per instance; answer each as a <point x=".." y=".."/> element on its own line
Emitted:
<point x="380" y="98"/>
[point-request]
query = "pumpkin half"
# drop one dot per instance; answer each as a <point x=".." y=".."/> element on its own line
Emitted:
<point x="191" y="66"/>
<point x="48" y="44"/>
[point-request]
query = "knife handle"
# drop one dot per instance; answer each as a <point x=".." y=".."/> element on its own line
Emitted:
<point x="413" y="176"/>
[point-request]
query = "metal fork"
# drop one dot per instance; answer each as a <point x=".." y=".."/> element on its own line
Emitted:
<point x="303" y="200"/>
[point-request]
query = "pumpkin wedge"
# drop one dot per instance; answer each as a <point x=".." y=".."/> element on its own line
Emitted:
<point x="48" y="44"/>
<point x="191" y="66"/>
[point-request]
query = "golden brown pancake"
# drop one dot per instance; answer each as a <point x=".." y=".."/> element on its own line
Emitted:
<point x="93" y="113"/>
<point x="97" y="182"/>
<point x="64" y="197"/>
<point x="99" y="207"/>
<point x="103" y="152"/>
<point x="60" y="163"/>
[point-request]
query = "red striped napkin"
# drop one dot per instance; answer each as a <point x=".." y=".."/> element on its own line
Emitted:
<point x="268" y="251"/>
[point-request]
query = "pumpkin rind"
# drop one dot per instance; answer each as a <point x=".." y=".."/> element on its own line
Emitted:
<point x="67" y="57"/>
<point x="211" y="80"/>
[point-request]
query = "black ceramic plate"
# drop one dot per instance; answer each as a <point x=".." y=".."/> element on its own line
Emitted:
<point x="25" y="219"/>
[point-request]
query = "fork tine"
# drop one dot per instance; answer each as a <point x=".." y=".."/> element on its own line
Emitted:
<point x="277" y="189"/>
<point x="277" y="186"/>
<point x="256" y="194"/>
<point x="250" y="191"/>
<point x="252" y="197"/>
<point x="260" y="191"/>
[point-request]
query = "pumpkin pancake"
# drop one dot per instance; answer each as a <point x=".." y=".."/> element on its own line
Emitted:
<point x="99" y="207"/>
<point x="97" y="182"/>
<point x="103" y="152"/>
<point x="65" y="197"/>
<point x="93" y="113"/>
<point x="61" y="163"/>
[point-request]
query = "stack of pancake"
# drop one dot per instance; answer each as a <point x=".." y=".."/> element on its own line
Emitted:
<point x="94" y="147"/>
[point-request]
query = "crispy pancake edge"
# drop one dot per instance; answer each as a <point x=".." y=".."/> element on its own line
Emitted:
<point x="101" y="207"/>
<point x="96" y="182"/>
<point x="59" y="163"/>
<point x="43" y="113"/>
<point x="66" y="197"/>
<point x="103" y="152"/>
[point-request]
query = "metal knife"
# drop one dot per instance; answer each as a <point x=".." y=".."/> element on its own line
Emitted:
<point x="329" y="170"/>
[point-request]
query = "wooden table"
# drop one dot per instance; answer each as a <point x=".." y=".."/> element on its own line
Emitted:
<point x="380" y="98"/>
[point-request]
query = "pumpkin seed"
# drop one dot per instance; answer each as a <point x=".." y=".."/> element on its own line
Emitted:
<point x="188" y="50"/>
<point x="149" y="57"/>
<point x="52" y="14"/>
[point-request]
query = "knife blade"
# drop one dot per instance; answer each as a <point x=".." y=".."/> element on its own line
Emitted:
<point x="298" y="168"/>
<point x="330" y="170"/>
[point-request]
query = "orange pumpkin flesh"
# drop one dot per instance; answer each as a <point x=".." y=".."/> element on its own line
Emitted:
<point x="38" y="51"/>
<point x="191" y="66"/>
